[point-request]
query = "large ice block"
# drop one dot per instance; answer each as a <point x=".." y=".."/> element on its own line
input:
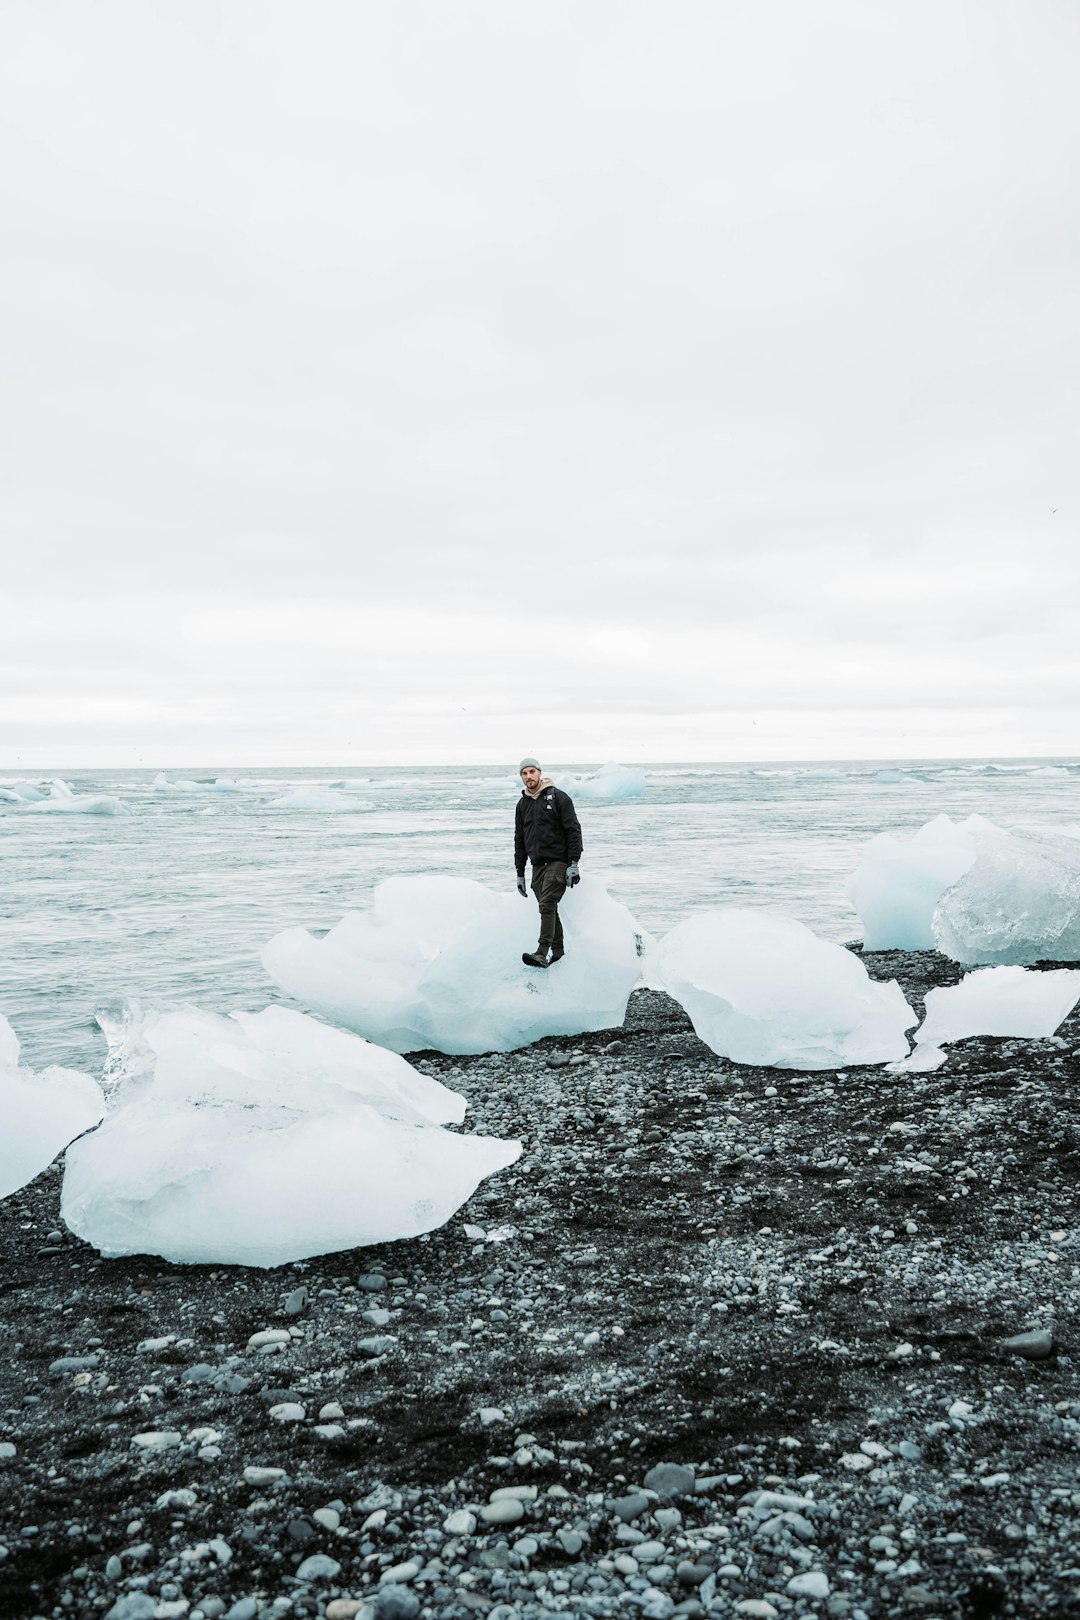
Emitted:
<point x="1018" y="903"/>
<point x="264" y="1138"/>
<point x="41" y="1113"/>
<point x="1010" y="1001"/>
<point x="899" y="881"/>
<point x="436" y="963"/>
<point x="761" y="988"/>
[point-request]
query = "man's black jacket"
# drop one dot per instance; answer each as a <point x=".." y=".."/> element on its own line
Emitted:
<point x="546" y="829"/>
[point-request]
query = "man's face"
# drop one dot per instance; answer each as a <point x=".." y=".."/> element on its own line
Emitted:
<point x="531" y="778"/>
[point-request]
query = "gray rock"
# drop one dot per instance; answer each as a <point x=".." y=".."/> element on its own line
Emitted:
<point x="380" y="1345"/>
<point x="507" y="1511"/>
<point x="372" y="1282"/>
<point x="319" y="1567"/>
<point x="397" y="1603"/>
<point x="628" y="1508"/>
<point x="212" y="1607"/>
<point x="73" y="1364"/>
<point x="1034" y="1346"/>
<point x="200" y="1373"/>
<point x="670" y="1479"/>
<point x="910" y="1451"/>
<point x="570" y="1542"/>
<point x="243" y="1609"/>
<point x="133" y="1606"/>
<point x="296" y="1302"/>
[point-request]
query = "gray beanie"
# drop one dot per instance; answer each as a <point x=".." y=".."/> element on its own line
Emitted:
<point x="526" y="763"/>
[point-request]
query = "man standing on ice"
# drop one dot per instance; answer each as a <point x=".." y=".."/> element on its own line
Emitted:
<point x="547" y="832"/>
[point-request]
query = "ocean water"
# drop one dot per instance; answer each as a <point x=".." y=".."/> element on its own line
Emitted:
<point x="174" y="901"/>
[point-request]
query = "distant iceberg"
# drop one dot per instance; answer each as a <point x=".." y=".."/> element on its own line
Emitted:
<point x="62" y="801"/>
<point x="761" y="988"/>
<point x="436" y="963"/>
<point x="266" y="1138"/>
<point x="323" y="799"/>
<point x="42" y="1113"/>
<point x="609" y="782"/>
<point x="20" y="793"/>
<point x="223" y="784"/>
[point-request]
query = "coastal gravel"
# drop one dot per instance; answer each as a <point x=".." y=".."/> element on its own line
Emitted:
<point x="725" y="1341"/>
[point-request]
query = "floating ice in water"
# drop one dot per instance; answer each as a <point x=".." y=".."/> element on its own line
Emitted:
<point x="223" y="784"/>
<point x="63" y="801"/>
<point x="20" y="793"/>
<point x="436" y="962"/>
<point x="42" y="1113"/>
<point x="317" y="798"/>
<point x="1019" y="902"/>
<point x="892" y="776"/>
<point x="265" y="1138"/>
<point x="760" y="988"/>
<point x="899" y="881"/>
<point x="609" y="782"/>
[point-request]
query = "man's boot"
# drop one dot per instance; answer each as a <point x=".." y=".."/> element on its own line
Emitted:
<point x="537" y="958"/>
<point x="557" y="951"/>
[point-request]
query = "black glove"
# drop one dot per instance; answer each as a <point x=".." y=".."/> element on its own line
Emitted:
<point x="572" y="875"/>
<point x="522" y="890"/>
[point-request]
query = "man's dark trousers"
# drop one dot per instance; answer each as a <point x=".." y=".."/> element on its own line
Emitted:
<point x="549" y="886"/>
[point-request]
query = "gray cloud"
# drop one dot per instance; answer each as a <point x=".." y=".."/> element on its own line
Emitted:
<point x="353" y="356"/>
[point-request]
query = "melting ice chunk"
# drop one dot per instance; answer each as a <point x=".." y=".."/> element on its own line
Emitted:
<point x="42" y="1113"/>
<point x="317" y="798"/>
<point x="900" y="880"/>
<point x="1019" y="901"/>
<point x="265" y="1138"/>
<point x="436" y="962"/>
<point x="1000" y="1001"/>
<point x="61" y="800"/>
<point x="761" y="988"/>
<point x="609" y="782"/>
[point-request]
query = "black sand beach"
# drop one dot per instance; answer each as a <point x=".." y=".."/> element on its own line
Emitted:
<point x="793" y="1287"/>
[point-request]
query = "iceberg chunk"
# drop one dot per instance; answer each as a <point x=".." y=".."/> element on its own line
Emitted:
<point x="264" y="1138"/>
<point x="436" y="963"/>
<point x="761" y="988"/>
<point x="609" y="782"/>
<point x="317" y="798"/>
<point x="63" y="801"/>
<point x="42" y="1113"/>
<point x="898" y="882"/>
<point x="1000" y="1001"/>
<point x="1018" y="903"/>
<point x="20" y="793"/>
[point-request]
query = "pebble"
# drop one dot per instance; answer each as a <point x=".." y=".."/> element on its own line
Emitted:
<point x="132" y="1606"/>
<point x="630" y="1507"/>
<point x="73" y="1364"/>
<point x="263" y="1476"/>
<point x="244" y="1608"/>
<point x="7" y="1450"/>
<point x="269" y="1336"/>
<point x="460" y="1523"/>
<point x="397" y="1603"/>
<point x="1033" y="1346"/>
<point x="157" y="1440"/>
<point x="814" y="1584"/>
<point x="343" y="1608"/>
<point x="329" y="1518"/>
<point x="372" y="1282"/>
<point x="380" y="1345"/>
<point x="288" y="1412"/>
<point x="490" y="1415"/>
<point x="757" y="1609"/>
<point x="331" y="1412"/>
<point x="329" y="1431"/>
<point x="297" y="1301"/>
<point x="319" y="1567"/>
<point x="570" y="1542"/>
<point x="508" y="1510"/>
<point x="670" y="1479"/>
<point x="401" y="1574"/>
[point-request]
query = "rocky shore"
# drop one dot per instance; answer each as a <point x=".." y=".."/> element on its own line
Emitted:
<point x="725" y="1341"/>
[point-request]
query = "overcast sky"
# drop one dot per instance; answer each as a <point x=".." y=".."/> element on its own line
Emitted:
<point x="400" y="381"/>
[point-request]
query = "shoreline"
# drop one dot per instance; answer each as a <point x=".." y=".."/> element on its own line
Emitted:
<point x="693" y="1279"/>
